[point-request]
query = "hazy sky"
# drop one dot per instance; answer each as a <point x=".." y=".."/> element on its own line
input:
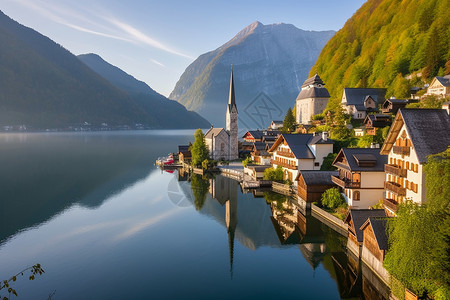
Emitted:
<point x="156" y="40"/>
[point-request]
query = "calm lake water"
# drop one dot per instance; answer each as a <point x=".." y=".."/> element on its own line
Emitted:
<point x="105" y="223"/>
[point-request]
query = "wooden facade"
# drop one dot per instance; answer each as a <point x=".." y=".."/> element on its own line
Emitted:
<point x="370" y="242"/>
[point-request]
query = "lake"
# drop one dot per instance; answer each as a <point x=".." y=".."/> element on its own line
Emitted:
<point x="105" y="223"/>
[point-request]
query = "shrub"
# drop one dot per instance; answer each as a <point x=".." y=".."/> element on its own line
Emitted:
<point x="332" y="198"/>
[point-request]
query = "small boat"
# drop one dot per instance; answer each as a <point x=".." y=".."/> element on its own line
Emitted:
<point x="165" y="161"/>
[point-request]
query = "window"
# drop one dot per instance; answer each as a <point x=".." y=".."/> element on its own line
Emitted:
<point x="407" y="165"/>
<point x="316" y="164"/>
<point x="356" y="195"/>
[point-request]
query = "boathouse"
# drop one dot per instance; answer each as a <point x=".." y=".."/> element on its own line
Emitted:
<point x="312" y="184"/>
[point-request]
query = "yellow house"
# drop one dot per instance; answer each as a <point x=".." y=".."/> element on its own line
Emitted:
<point x="414" y="134"/>
<point x="439" y="86"/>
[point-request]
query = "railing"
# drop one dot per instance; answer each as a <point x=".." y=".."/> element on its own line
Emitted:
<point x="285" y="165"/>
<point x="391" y="204"/>
<point x="285" y="153"/>
<point x="395" y="188"/>
<point x="395" y="170"/>
<point x="345" y="183"/>
<point x="401" y="150"/>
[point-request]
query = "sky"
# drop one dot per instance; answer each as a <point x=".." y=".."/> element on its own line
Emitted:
<point x="155" y="41"/>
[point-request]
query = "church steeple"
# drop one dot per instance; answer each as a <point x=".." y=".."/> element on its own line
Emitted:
<point x="231" y="97"/>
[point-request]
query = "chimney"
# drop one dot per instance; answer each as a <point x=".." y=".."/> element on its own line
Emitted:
<point x="324" y="135"/>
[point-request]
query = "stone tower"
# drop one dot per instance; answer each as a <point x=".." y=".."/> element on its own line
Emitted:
<point x="232" y="121"/>
<point x="312" y="99"/>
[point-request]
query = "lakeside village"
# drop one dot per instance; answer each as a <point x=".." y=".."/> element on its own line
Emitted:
<point x="358" y="181"/>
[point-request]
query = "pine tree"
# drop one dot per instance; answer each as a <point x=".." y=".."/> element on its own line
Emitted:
<point x="199" y="151"/>
<point x="289" y="121"/>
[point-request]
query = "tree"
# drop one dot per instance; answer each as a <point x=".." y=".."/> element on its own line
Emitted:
<point x="273" y="174"/>
<point x="289" y="121"/>
<point x="327" y="163"/>
<point x="332" y="198"/>
<point x="6" y="284"/>
<point x="199" y="151"/>
<point x="246" y="161"/>
<point x="419" y="236"/>
<point x="200" y="188"/>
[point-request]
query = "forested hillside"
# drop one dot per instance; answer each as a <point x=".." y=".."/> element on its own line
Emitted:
<point x="383" y="42"/>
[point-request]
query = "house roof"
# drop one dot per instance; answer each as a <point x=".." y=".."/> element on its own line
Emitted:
<point x="256" y="134"/>
<point x="212" y="132"/>
<point x="317" y="177"/>
<point x="359" y="159"/>
<point x="378" y="120"/>
<point x="298" y="143"/>
<point x="429" y="130"/>
<point x="183" y="148"/>
<point x="259" y="145"/>
<point x="357" y="96"/>
<point x="444" y="80"/>
<point x="314" y="92"/>
<point x="277" y="122"/>
<point x="379" y="230"/>
<point x="360" y="216"/>
<point x="318" y="139"/>
<point x="259" y="168"/>
<point x="313" y="80"/>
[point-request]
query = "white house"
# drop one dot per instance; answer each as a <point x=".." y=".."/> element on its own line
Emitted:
<point x="357" y="102"/>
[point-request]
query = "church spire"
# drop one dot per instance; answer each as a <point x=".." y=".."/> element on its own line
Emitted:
<point x="231" y="97"/>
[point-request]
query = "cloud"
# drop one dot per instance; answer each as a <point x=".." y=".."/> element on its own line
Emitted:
<point x="157" y="63"/>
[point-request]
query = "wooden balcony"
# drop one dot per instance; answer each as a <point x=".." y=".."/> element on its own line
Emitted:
<point x="285" y="154"/>
<point x="391" y="204"/>
<point x="345" y="183"/>
<point x="395" y="188"/>
<point x="401" y="150"/>
<point x="284" y="165"/>
<point x="395" y="170"/>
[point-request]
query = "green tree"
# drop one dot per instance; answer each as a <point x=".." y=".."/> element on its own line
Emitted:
<point x="332" y="198"/>
<point x="419" y="248"/>
<point x="289" y="121"/>
<point x="327" y="164"/>
<point x="273" y="174"/>
<point x="246" y="161"/>
<point x="200" y="188"/>
<point x="199" y="151"/>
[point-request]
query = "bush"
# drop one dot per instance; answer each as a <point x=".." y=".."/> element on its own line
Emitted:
<point x="273" y="174"/>
<point x="247" y="161"/>
<point x="332" y="198"/>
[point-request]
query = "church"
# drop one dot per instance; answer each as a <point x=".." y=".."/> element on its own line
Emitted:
<point x="222" y="143"/>
<point x="312" y="99"/>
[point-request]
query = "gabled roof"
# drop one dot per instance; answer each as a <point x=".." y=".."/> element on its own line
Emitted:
<point x="256" y="134"/>
<point x="318" y="139"/>
<point x="317" y="177"/>
<point x="357" y="96"/>
<point x="313" y="80"/>
<point x="314" y="92"/>
<point x="379" y="230"/>
<point x="358" y="159"/>
<point x="378" y="120"/>
<point x="212" y="132"/>
<point x="360" y="216"/>
<point x="444" y="80"/>
<point x="259" y="145"/>
<point x="277" y="122"/>
<point x="429" y="130"/>
<point x="298" y="143"/>
<point x="396" y="101"/>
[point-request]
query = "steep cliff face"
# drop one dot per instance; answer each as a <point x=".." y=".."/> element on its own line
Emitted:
<point x="270" y="62"/>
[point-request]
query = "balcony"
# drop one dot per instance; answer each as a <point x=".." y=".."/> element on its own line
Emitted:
<point x="285" y="154"/>
<point x="391" y="204"/>
<point x="284" y="165"/>
<point x="395" y="188"/>
<point x="401" y="150"/>
<point x="345" y="183"/>
<point x="395" y="170"/>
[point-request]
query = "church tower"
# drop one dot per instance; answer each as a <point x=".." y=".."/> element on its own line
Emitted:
<point x="232" y="121"/>
<point x="312" y="99"/>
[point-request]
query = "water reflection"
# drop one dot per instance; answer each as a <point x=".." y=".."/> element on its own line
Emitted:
<point x="291" y="225"/>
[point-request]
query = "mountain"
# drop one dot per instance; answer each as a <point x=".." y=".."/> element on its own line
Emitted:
<point x="384" y="41"/>
<point x="45" y="86"/>
<point x="166" y="112"/>
<point x="270" y="63"/>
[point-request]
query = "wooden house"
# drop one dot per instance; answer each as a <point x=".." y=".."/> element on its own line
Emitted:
<point x="184" y="154"/>
<point x="439" y="86"/>
<point x="357" y="102"/>
<point x="392" y="105"/>
<point x="376" y="121"/>
<point x="312" y="184"/>
<point x="375" y="245"/>
<point x="355" y="219"/>
<point x="259" y="153"/>
<point x="295" y="152"/>
<point x="361" y="175"/>
<point x="414" y="134"/>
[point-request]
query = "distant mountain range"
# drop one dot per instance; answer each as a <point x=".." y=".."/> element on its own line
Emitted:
<point x="45" y="86"/>
<point x="382" y="43"/>
<point x="270" y="63"/>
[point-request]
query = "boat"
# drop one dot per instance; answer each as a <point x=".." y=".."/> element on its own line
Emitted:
<point x="165" y="161"/>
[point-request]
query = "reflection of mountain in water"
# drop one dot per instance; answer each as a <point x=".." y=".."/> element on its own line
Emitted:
<point x="43" y="174"/>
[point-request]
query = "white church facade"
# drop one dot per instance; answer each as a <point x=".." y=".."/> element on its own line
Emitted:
<point x="312" y="99"/>
<point x="222" y="143"/>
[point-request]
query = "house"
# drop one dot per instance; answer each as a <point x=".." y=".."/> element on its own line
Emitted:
<point x="223" y="143"/>
<point x="259" y="153"/>
<point x="355" y="219"/>
<point x="253" y="136"/>
<point x="312" y="184"/>
<point x="312" y="99"/>
<point x="275" y="125"/>
<point x="295" y="152"/>
<point x="376" y="121"/>
<point x="446" y="106"/>
<point x="439" y="86"/>
<point x="375" y="244"/>
<point x="184" y="154"/>
<point x="357" y="102"/>
<point x="392" y="105"/>
<point x="361" y="176"/>
<point x="360" y="131"/>
<point x="256" y="171"/>
<point x="414" y="134"/>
